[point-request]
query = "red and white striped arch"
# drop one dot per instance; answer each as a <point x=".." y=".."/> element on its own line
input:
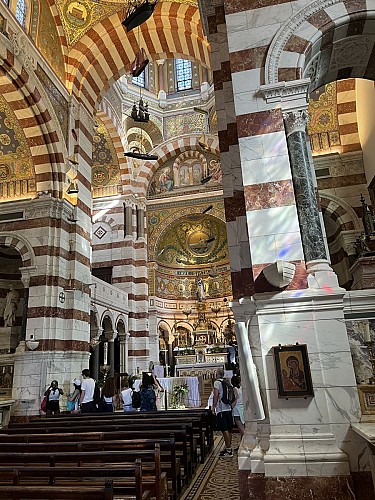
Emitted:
<point x="168" y="150"/>
<point x="104" y="53"/>
<point x="23" y="94"/>
<point x="332" y="27"/>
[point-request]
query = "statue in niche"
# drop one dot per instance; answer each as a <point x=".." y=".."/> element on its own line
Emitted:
<point x="201" y="288"/>
<point x="11" y="305"/>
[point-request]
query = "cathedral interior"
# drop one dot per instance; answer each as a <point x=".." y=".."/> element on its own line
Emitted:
<point x="201" y="180"/>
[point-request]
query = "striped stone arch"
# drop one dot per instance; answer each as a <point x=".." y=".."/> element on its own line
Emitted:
<point x="107" y="219"/>
<point x="25" y="94"/>
<point x="340" y="219"/>
<point x="107" y="314"/>
<point x="333" y="26"/>
<point x="119" y="141"/>
<point x="123" y="319"/>
<point x="191" y="154"/>
<point x="172" y="149"/>
<point x="104" y="53"/>
<point x="340" y="212"/>
<point x="22" y="246"/>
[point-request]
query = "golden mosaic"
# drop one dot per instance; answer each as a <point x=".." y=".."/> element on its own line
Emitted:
<point x="323" y="125"/>
<point x="79" y="16"/>
<point x="105" y="166"/>
<point x="48" y="40"/>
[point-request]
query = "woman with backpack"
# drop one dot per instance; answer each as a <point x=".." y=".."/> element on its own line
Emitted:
<point x="72" y="401"/>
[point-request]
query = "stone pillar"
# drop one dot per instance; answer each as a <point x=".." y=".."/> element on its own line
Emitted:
<point x="140" y="222"/>
<point x="128" y="222"/>
<point x="111" y="353"/>
<point x="26" y="272"/>
<point x="303" y="183"/>
<point x="94" y="342"/>
<point x="160" y="63"/>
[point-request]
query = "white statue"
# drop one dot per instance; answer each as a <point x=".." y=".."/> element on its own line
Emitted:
<point x="201" y="289"/>
<point x="11" y="305"/>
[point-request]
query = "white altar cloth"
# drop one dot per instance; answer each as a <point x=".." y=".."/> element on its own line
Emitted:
<point x="192" y="399"/>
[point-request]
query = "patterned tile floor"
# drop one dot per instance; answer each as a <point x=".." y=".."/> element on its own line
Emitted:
<point x="217" y="478"/>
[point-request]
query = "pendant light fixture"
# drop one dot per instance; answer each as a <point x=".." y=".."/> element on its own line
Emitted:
<point x="138" y="12"/>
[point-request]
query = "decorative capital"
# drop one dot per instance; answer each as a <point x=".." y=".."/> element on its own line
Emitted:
<point x="21" y="48"/>
<point x="295" y="121"/>
<point x="26" y="273"/>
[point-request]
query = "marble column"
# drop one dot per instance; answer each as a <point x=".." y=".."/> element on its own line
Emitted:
<point x="111" y="354"/>
<point x="303" y="183"/>
<point x="160" y="63"/>
<point x="128" y="223"/>
<point x="124" y="347"/>
<point x="140" y="223"/>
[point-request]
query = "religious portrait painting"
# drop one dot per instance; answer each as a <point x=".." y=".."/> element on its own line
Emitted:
<point x="292" y="371"/>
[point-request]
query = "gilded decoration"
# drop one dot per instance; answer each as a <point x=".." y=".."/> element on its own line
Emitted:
<point x="48" y="40"/>
<point x="187" y="123"/>
<point x="58" y="101"/>
<point x="323" y="125"/>
<point x="105" y="166"/>
<point x="79" y="16"/>
<point x="185" y="174"/>
<point x="192" y="241"/>
<point x="17" y="176"/>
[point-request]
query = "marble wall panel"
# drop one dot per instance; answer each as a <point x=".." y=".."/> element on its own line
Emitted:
<point x="279" y="220"/>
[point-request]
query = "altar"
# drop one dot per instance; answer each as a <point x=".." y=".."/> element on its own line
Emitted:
<point x="192" y="399"/>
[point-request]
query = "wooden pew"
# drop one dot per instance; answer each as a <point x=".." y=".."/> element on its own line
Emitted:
<point x="169" y="461"/>
<point x="183" y="434"/>
<point x="201" y="420"/>
<point x="79" y="477"/>
<point x="156" y="482"/>
<point x="55" y="492"/>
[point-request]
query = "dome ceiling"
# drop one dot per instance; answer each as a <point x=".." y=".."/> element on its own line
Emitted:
<point x="192" y="241"/>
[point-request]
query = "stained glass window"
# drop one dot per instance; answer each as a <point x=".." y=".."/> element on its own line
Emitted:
<point x="139" y="80"/>
<point x="21" y="12"/>
<point x="183" y="74"/>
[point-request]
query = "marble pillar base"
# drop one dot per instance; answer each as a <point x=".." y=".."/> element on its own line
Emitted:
<point x="260" y="487"/>
<point x="363" y="271"/>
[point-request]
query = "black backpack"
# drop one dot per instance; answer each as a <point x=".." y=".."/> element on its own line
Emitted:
<point x="228" y="396"/>
<point x="97" y="399"/>
<point x="136" y="399"/>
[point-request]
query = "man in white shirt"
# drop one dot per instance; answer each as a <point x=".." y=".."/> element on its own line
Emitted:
<point x="86" y="400"/>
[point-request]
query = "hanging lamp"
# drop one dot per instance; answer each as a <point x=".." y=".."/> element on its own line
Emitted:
<point x="138" y="12"/>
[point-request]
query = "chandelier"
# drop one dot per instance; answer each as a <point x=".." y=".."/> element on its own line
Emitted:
<point x="138" y="12"/>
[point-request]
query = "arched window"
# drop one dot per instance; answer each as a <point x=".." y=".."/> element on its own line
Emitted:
<point x="139" y="80"/>
<point x="183" y="74"/>
<point x="21" y="11"/>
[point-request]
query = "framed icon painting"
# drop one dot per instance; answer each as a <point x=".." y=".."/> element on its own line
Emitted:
<point x="292" y="371"/>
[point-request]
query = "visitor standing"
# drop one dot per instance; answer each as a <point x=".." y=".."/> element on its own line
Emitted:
<point x="108" y="395"/>
<point x="72" y="401"/>
<point x="127" y="397"/>
<point x="148" y="397"/>
<point x="86" y="400"/>
<point x="53" y="394"/>
<point x="238" y="413"/>
<point x="222" y="409"/>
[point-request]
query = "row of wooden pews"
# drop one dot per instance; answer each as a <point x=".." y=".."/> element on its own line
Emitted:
<point x="115" y="455"/>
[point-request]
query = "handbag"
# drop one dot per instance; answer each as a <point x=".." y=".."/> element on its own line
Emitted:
<point x="43" y="405"/>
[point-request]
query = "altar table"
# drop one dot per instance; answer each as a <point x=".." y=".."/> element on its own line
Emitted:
<point x="192" y="399"/>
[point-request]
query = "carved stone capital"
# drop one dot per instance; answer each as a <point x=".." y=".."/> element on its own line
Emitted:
<point x="26" y="273"/>
<point x="295" y="121"/>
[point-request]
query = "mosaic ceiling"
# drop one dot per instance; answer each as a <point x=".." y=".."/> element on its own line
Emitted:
<point x="192" y="241"/>
<point x="105" y="166"/>
<point x="15" y="156"/>
<point x="78" y="16"/>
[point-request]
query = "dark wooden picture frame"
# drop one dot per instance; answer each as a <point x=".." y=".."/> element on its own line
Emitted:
<point x="293" y="371"/>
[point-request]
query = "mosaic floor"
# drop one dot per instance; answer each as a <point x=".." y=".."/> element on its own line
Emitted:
<point x="217" y="478"/>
